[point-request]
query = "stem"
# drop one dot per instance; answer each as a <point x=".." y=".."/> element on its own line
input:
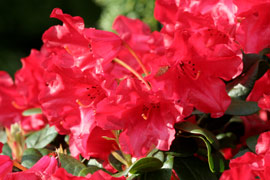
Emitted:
<point x="137" y="58"/>
<point x="19" y="166"/>
<point x="132" y="71"/>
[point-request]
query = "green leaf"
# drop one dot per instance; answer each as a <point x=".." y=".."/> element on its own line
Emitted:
<point x="71" y="165"/>
<point x="255" y="66"/>
<point x="42" y="138"/>
<point x="87" y="170"/>
<point x="162" y="174"/>
<point x="114" y="162"/>
<point x="142" y="165"/>
<point x="191" y="168"/>
<point x="241" y="153"/>
<point x="33" y="111"/>
<point x="215" y="160"/>
<point x="242" y="108"/>
<point x="157" y="154"/>
<point x="264" y="51"/>
<point x="6" y="150"/>
<point x="195" y="129"/>
<point x="145" y="164"/>
<point x="31" y="156"/>
<point x="251" y="142"/>
<point x="3" y="136"/>
<point x="66" y="139"/>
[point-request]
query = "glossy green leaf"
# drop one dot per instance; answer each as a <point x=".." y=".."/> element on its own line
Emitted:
<point x="215" y="160"/>
<point x="31" y="156"/>
<point x="251" y="142"/>
<point x="142" y="165"/>
<point x="6" y="150"/>
<point x="242" y="108"/>
<point x="33" y="111"/>
<point x="41" y="138"/>
<point x="264" y="51"/>
<point x="145" y="164"/>
<point x="161" y="174"/>
<point x="192" y="168"/>
<point x="255" y="66"/>
<point x="87" y="170"/>
<point x="114" y="162"/>
<point x="71" y="165"/>
<point x="195" y="129"/>
<point x="157" y="154"/>
<point x="241" y="153"/>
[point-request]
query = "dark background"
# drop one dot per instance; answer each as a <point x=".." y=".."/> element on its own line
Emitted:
<point x="22" y="24"/>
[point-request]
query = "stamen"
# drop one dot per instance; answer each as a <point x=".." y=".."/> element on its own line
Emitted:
<point x="137" y="58"/>
<point x="132" y="71"/>
<point x="14" y="104"/>
<point x="189" y="70"/>
<point x="83" y="105"/>
<point x="19" y="166"/>
<point x="144" y="116"/>
<point x="67" y="49"/>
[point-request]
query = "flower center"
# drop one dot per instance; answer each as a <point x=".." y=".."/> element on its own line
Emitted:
<point x="148" y="109"/>
<point x="92" y="95"/>
<point x="188" y="69"/>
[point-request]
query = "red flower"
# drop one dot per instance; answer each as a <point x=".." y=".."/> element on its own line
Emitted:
<point x="250" y="165"/>
<point x="261" y="92"/>
<point x="9" y="114"/>
<point x="70" y="40"/>
<point x="105" y="45"/>
<point x="253" y="33"/>
<point x="42" y="170"/>
<point x="197" y="65"/>
<point x="90" y="140"/>
<point x="5" y="165"/>
<point x="146" y="118"/>
<point x="67" y="90"/>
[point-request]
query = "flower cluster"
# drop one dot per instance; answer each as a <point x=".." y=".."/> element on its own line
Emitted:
<point x="126" y="91"/>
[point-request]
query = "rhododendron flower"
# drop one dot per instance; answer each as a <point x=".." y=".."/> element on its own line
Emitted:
<point x="70" y="40"/>
<point x="66" y="91"/>
<point x="9" y="114"/>
<point x="250" y="165"/>
<point x="138" y="112"/>
<point x="253" y="33"/>
<point x="42" y="170"/>
<point x="196" y="71"/>
<point x="89" y="140"/>
<point x="13" y="103"/>
<point x="6" y="165"/>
